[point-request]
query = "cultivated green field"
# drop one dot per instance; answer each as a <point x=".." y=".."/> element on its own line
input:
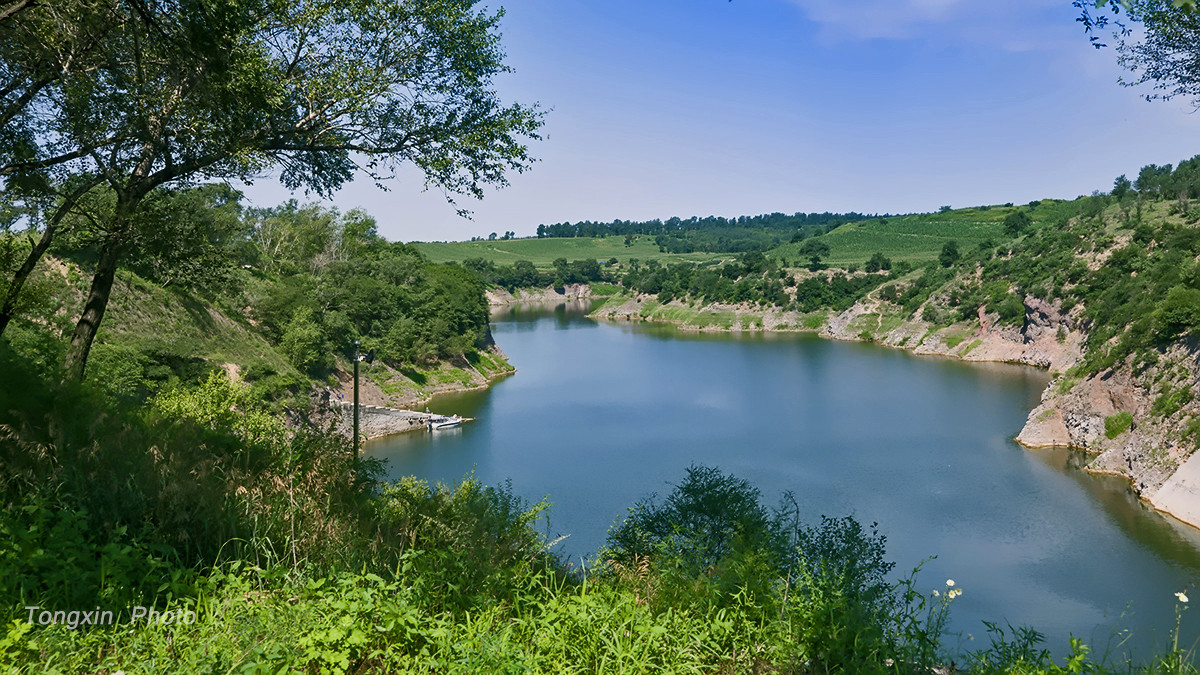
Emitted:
<point x="542" y="252"/>
<point x="911" y="238"/>
<point x="919" y="238"/>
<point x="916" y="239"/>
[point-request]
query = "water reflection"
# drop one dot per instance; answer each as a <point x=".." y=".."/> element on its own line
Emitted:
<point x="524" y="316"/>
<point x="1171" y="540"/>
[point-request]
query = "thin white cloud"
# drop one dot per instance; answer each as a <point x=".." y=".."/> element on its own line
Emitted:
<point x="869" y="19"/>
<point x="1014" y="25"/>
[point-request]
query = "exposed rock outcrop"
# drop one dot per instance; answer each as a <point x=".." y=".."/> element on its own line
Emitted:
<point x="498" y="297"/>
<point x="1154" y="451"/>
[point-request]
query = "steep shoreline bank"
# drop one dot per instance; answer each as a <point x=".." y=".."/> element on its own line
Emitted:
<point x="1137" y="425"/>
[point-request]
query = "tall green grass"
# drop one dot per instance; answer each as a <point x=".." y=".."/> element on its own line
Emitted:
<point x="295" y="559"/>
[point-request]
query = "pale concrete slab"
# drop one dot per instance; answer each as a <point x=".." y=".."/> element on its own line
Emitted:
<point x="1180" y="495"/>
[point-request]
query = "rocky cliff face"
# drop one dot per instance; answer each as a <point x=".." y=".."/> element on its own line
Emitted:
<point x="1046" y="339"/>
<point x="1151" y="450"/>
<point x="498" y="297"/>
<point x="1153" y="447"/>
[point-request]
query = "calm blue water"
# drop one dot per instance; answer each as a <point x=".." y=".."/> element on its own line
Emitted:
<point x="600" y="415"/>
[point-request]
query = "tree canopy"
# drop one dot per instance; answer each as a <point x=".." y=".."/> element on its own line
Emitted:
<point x="173" y="91"/>
<point x="1164" y="53"/>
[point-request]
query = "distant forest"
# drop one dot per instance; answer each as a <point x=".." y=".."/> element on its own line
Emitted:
<point x="711" y="234"/>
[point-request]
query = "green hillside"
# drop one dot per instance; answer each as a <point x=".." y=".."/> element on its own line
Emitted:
<point x="918" y="238"/>
<point x="278" y="302"/>
<point x="146" y="485"/>
<point x="542" y="252"/>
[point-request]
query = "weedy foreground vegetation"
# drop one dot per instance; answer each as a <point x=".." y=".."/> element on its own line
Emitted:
<point x="292" y="558"/>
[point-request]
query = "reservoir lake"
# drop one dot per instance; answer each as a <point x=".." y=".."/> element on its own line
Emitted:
<point x="600" y="415"/>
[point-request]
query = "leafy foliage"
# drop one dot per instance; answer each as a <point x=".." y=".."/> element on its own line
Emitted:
<point x="1164" y="51"/>
<point x="949" y="254"/>
<point x="712" y="544"/>
<point x="172" y="93"/>
<point x="1016" y="223"/>
<point x="711" y="234"/>
<point x="332" y="279"/>
<point x="1115" y="425"/>
<point x="706" y="518"/>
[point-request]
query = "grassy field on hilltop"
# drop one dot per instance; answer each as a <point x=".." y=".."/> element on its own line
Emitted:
<point x="542" y="252"/>
<point x="919" y="238"/>
<point x="914" y="238"/>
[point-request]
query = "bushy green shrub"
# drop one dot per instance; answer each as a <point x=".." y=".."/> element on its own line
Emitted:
<point x="705" y="518"/>
<point x="477" y="541"/>
<point x="1011" y="310"/>
<point x="878" y="262"/>
<point x="1016" y="223"/>
<point x="304" y="343"/>
<point x="949" y="254"/>
<point x="711" y="545"/>
<point x="841" y="609"/>
<point x="1115" y="425"/>
<point x="1179" y="312"/>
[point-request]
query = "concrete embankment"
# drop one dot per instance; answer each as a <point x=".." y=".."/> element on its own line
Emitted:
<point x="375" y="421"/>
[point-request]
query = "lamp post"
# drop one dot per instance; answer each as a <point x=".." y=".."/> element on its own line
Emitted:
<point x="358" y="356"/>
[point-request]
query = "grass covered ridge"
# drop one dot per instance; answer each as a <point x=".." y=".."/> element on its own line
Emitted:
<point x="543" y="252"/>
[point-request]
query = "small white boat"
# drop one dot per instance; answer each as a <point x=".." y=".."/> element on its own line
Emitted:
<point x="444" y="422"/>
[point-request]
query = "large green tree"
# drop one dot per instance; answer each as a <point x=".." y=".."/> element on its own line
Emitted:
<point x="1016" y="222"/>
<point x="44" y="47"/>
<point x="319" y="90"/>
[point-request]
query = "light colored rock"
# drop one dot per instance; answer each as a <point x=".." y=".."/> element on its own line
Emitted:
<point x="1045" y="429"/>
<point x="498" y="297"/>
<point x="1180" y="494"/>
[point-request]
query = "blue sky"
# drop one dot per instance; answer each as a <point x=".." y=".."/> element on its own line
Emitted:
<point x="697" y="107"/>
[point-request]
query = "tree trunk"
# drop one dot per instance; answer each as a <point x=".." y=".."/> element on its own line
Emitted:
<point x="36" y="253"/>
<point x="22" y="275"/>
<point x="93" y="310"/>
